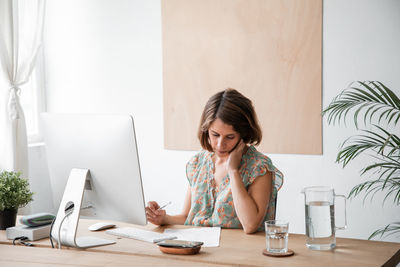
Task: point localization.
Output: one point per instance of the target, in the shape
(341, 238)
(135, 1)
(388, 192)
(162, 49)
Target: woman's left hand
(235, 157)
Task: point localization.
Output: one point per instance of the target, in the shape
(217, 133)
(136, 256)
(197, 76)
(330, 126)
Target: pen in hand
(160, 208)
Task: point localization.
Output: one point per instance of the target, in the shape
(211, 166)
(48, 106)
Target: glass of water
(277, 235)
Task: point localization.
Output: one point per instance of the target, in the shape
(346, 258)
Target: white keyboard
(139, 234)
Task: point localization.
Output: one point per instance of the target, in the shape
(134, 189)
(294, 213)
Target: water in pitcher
(320, 225)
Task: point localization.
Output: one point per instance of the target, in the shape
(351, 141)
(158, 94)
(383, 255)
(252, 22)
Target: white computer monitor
(98, 153)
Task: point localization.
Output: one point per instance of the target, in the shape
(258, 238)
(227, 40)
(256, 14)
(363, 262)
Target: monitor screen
(106, 146)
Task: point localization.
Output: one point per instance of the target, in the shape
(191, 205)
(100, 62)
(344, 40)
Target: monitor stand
(66, 223)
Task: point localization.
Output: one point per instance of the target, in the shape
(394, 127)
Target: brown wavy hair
(234, 109)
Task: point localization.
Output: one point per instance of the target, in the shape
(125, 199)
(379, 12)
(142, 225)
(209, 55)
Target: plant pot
(8, 218)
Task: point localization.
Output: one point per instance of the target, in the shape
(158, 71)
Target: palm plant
(374, 104)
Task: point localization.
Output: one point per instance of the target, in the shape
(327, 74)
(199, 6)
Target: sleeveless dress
(212, 205)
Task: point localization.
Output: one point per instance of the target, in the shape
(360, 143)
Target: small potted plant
(14, 194)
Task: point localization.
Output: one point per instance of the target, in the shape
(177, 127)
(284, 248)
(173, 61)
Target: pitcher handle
(345, 214)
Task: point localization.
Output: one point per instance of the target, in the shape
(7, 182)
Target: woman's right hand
(154, 215)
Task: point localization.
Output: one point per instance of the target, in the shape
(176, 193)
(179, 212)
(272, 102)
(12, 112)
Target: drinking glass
(277, 234)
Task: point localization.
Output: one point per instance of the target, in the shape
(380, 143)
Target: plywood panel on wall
(270, 50)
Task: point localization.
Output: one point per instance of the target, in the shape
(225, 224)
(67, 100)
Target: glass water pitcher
(320, 217)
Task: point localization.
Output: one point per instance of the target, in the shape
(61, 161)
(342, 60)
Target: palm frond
(370, 188)
(388, 179)
(381, 141)
(389, 229)
(385, 163)
(369, 98)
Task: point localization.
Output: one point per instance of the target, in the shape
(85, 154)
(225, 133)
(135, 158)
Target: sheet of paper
(208, 235)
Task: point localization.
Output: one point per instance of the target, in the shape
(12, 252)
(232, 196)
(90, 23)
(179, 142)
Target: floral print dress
(212, 205)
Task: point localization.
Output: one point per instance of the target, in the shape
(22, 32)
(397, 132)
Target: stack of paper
(208, 235)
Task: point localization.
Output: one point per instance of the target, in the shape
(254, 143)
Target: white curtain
(21, 27)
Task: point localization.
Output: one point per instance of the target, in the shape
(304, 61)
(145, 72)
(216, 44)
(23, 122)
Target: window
(32, 99)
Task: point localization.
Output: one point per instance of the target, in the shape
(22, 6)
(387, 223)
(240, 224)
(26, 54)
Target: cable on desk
(21, 240)
(51, 229)
(68, 211)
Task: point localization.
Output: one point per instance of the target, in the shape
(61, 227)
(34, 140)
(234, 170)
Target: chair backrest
(276, 205)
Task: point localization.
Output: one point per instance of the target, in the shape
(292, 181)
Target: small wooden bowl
(180, 251)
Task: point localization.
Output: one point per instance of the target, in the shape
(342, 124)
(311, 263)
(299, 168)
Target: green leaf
(367, 97)
(395, 99)
(389, 229)
(14, 191)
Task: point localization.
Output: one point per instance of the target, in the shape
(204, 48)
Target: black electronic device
(179, 243)
(37, 219)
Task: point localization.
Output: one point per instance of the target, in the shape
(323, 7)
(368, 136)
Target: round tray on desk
(180, 251)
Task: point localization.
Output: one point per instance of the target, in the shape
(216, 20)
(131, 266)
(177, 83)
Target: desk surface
(236, 248)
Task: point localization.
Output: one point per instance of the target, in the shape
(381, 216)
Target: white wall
(105, 57)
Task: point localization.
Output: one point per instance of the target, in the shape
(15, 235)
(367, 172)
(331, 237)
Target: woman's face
(223, 138)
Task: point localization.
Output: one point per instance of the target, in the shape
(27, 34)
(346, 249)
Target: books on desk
(139, 234)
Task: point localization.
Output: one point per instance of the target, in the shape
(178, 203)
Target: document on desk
(208, 235)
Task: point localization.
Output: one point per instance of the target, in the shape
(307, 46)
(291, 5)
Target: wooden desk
(236, 248)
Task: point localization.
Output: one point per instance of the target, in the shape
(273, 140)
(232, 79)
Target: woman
(231, 184)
